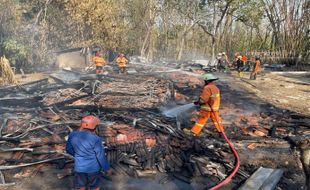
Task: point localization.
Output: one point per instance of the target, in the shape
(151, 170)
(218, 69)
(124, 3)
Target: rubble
(139, 140)
(144, 93)
(61, 95)
(142, 145)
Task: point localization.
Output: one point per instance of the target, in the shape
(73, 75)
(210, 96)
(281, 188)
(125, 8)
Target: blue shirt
(87, 149)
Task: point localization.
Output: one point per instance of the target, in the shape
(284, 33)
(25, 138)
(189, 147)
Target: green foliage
(16, 51)
(251, 12)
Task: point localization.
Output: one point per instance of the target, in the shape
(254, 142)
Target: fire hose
(233, 173)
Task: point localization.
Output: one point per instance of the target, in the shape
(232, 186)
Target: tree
(31, 30)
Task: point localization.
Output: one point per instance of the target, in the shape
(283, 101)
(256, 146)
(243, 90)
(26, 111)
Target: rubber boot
(189, 132)
(251, 77)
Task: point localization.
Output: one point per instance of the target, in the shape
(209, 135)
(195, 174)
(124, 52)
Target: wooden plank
(272, 181)
(263, 179)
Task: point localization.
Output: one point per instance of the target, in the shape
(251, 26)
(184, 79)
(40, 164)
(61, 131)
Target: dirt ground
(274, 94)
(287, 90)
(242, 98)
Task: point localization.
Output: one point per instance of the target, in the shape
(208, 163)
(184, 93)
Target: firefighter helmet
(209, 77)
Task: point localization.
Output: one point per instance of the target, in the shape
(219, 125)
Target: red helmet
(89, 122)
(98, 54)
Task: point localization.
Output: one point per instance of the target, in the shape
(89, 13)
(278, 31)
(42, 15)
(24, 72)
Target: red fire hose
(225, 181)
(236, 167)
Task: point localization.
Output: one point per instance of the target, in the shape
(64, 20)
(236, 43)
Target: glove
(197, 103)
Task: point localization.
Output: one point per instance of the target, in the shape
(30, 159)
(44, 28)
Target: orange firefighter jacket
(121, 61)
(99, 61)
(210, 97)
(244, 59)
(257, 66)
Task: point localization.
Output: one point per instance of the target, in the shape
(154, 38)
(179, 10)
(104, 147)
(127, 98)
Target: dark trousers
(122, 69)
(87, 180)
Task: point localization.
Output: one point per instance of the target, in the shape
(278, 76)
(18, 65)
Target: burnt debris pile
(140, 142)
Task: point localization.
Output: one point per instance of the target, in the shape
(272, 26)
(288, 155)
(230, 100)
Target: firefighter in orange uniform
(99, 62)
(209, 102)
(244, 58)
(122, 62)
(256, 68)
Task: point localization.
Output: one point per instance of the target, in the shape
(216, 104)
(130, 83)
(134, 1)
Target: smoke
(71, 59)
(194, 55)
(182, 113)
(177, 111)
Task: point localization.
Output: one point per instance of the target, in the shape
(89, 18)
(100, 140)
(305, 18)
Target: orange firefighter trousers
(203, 117)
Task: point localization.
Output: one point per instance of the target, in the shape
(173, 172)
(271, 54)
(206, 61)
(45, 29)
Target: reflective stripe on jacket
(211, 97)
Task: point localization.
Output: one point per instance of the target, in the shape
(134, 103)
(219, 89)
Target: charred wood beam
(37, 82)
(31, 101)
(63, 103)
(9, 139)
(17, 110)
(16, 149)
(25, 133)
(24, 87)
(5, 120)
(106, 109)
(17, 98)
(51, 87)
(29, 164)
(240, 171)
(145, 173)
(58, 80)
(131, 78)
(27, 87)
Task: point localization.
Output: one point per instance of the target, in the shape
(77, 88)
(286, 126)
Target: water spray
(174, 112)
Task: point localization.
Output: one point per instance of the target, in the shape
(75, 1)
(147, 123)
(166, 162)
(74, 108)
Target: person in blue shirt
(86, 148)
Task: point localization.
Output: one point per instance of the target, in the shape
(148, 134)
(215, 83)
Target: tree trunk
(213, 49)
(144, 45)
(180, 53)
(150, 55)
(213, 43)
